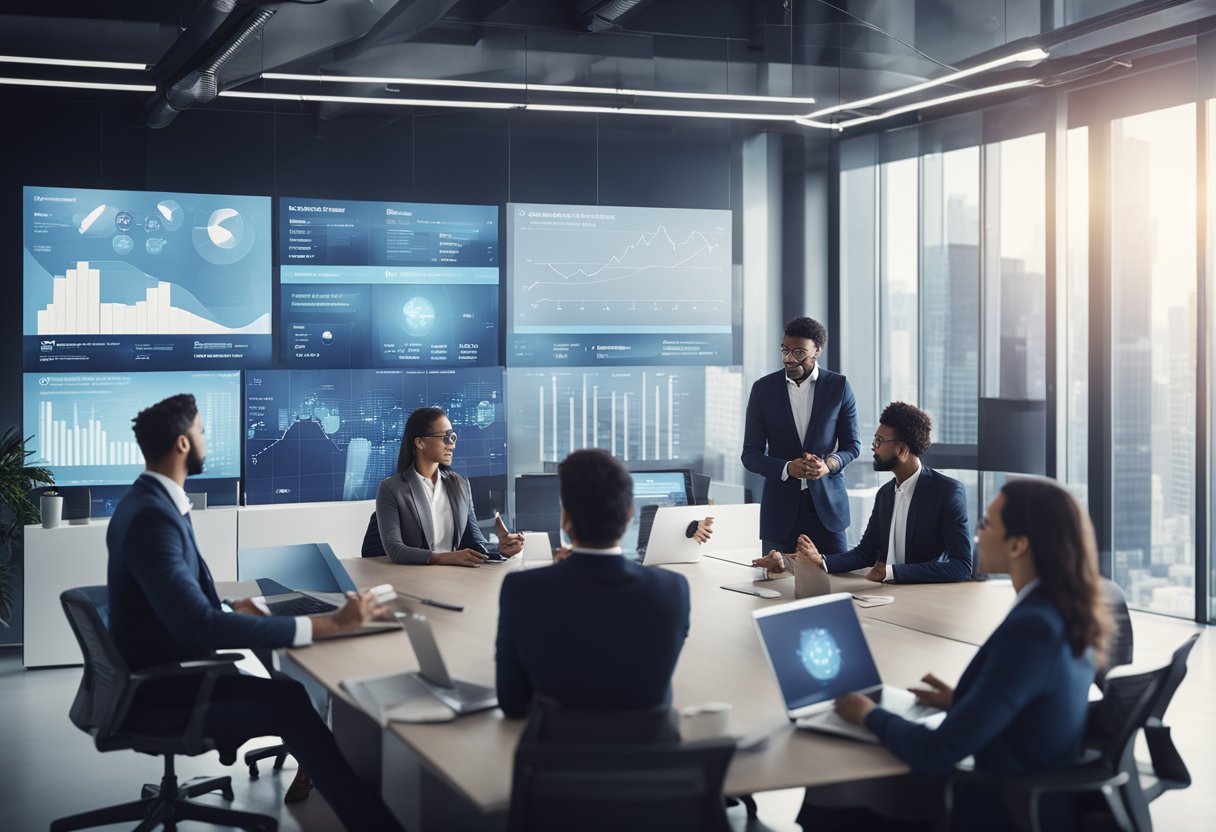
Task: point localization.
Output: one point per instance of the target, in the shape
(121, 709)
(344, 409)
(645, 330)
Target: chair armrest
(207, 670)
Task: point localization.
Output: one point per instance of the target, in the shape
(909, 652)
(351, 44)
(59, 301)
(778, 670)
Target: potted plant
(17, 480)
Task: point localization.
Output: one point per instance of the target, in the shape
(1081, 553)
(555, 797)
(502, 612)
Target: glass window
(949, 291)
(899, 283)
(1075, 314)
(1015, 296)
(1152, 233)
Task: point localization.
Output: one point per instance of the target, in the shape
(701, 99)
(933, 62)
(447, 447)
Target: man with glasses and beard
(918, 530)
(801, 432)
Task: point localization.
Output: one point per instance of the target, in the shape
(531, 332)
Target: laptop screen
(654, 488)
(816, 650)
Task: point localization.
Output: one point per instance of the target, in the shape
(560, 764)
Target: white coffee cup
(705, 721)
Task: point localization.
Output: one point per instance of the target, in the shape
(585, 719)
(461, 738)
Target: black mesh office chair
(605, 770)
(1120, 650)
(103, 709)
(1130, 703)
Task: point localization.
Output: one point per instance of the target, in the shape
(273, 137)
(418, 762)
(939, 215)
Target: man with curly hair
(918, 530)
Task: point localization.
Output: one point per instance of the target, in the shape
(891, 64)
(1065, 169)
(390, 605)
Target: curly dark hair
(158, 426)
(1061, 540)
(804, 327)
(597, 494)
(912, 426)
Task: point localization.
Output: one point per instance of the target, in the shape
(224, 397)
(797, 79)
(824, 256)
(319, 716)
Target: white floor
(49, 769)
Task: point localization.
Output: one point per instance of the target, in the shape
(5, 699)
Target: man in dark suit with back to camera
(918, 531)
(163, 607)
(593, 631)
(800, 433)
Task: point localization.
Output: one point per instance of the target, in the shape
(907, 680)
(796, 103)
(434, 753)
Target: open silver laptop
(816, 651)
(461, 697)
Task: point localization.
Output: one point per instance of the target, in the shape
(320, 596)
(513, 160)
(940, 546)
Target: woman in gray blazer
(425, 510)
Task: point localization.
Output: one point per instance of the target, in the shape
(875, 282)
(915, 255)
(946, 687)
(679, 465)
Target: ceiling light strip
(1019, 57)
(356, 99)
(521, 87)
(77, 85)
(945, 99)
(23, 59)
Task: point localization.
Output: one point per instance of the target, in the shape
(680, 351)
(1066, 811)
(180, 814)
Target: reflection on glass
(950, 292)
(1152, 234)
(1075, 313)
(1015, 297)
(899, 283)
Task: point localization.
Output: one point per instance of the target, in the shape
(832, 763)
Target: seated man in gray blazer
(425, 510)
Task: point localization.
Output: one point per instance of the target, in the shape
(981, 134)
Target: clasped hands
(808, 467)
(855, 708)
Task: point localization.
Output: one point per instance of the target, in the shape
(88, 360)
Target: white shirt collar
(176, 493)
(814, 377)
(910, 483)
(584, 550)
(1024, 591)
(428, 480)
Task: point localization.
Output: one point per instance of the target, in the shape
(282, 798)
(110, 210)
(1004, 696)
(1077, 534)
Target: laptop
(665, 539)
(461, 697)
(816, 651)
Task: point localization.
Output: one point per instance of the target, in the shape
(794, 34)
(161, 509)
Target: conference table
(457, 775)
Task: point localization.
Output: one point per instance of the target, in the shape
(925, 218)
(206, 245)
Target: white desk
(458, 775)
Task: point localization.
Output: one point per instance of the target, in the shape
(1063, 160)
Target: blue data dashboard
(81, 422)
(126, 280)
(387, 284)
(325, 435)
(603, 286)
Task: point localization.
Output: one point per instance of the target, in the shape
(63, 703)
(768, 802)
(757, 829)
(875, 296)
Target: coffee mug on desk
(705, 721)
(537, 551)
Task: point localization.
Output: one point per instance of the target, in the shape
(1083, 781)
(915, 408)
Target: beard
(881, 464)
(194, 462)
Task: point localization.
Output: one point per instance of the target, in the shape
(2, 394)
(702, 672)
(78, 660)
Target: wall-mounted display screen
(125, 280)
(600, 285)
(644, 416)
(386, 284)
(81, 422)
(324, 435)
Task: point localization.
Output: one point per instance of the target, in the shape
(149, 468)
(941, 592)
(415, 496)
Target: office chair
(1119, 651)
(1130, 703)
(593, 781)
(372, 547)
(102, 708)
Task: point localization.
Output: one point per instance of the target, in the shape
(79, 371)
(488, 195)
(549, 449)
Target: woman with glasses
(1021, 705)
(425, 510)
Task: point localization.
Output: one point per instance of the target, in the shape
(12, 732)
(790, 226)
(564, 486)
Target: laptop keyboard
(303, 605)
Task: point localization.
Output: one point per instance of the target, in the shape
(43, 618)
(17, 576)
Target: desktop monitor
(538, 505)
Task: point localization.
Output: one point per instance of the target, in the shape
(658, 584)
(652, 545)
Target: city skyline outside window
(1076, 314)
(1153, 280)
(949, 292)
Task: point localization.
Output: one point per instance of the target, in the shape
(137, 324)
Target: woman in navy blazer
(1020, 706)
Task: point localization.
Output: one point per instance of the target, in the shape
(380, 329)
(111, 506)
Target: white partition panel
(341, 525)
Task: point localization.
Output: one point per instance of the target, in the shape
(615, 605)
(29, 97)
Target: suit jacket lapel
(422, 507)
(460, 511)
(886, 507)
(919, 498)
(818, 407)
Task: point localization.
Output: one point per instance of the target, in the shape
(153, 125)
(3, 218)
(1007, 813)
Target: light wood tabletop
(722, 661)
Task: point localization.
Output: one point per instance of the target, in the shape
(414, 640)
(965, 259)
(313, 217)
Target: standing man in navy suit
(918, 530)
(164, 608)
(801, 432)
(593, 631)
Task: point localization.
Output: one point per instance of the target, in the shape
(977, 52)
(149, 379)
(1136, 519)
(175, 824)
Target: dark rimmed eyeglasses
(799, 354)
(448, 436)
(878, 441)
